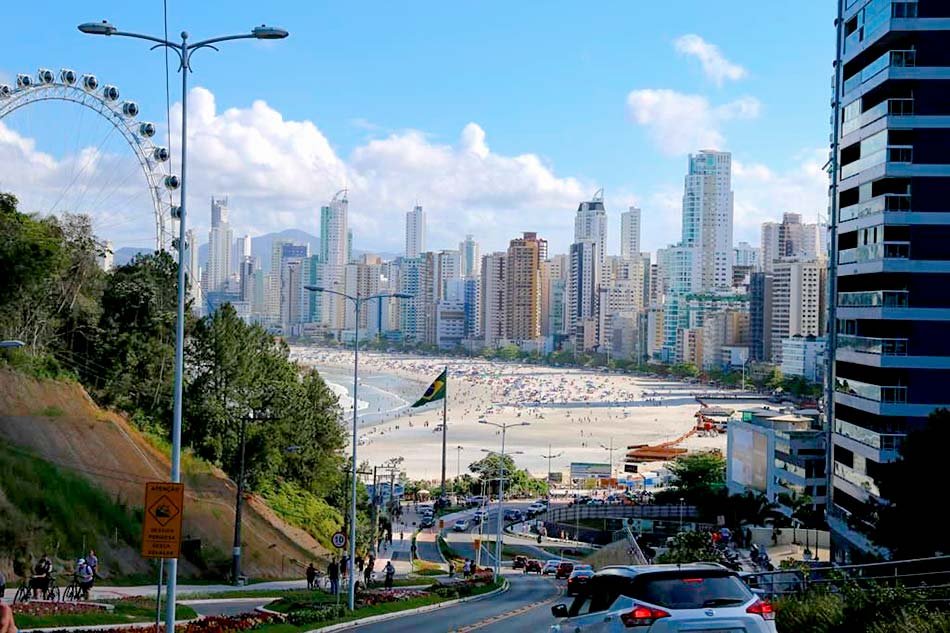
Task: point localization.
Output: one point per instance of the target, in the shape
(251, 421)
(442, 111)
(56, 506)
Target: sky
(498, 117)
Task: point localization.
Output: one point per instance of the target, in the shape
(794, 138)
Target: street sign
(339, 540)
(161, 527)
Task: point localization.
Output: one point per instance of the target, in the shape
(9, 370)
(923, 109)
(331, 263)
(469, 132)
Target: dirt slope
(60, 423)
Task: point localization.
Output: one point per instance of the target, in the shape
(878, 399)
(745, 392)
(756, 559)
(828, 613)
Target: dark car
(427, 522)
(564, 569)
(533, 566)
(578, 580)
(519, 562)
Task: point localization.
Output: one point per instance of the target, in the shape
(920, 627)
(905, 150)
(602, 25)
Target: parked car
(533, 566)
(550, 567)
(665, 599)
(564, 569)
(519, 562)
(577, 581)
(461, 525)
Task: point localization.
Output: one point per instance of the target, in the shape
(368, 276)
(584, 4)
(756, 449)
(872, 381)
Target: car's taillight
(642, 616)
(762, 608)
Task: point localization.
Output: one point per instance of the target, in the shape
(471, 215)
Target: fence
(574, 513)
(931, 576)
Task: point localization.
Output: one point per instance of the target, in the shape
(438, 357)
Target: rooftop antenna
(598, 195)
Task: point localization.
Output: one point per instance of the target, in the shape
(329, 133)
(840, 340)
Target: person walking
(333, 573)
(466, 568)
(93, 562)
(311, 576)
(390, 572)
(451, 568)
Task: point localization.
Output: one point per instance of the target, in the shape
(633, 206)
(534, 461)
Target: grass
(51, 411)
(47, 504)
(365, 612)
(294, 595)
(447, 550)
(126, 611)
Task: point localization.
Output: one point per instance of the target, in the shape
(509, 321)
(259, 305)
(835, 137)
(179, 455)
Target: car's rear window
(690, 592)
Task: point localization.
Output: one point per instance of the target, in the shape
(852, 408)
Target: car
(461, 525)
(533, 566)
(519, 562)
(537, 508)
(564, 569)
(427, 522)
(550, 567)
(515, 516)
(481, 515)
(665, 599)
(577, 581)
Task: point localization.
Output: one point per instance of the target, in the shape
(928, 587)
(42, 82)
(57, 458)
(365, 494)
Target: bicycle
(73, 591)
(24, 592)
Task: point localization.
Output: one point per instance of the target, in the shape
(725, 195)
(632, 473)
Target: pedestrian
(344, 567)
(7, 625)
(367, 575)
(311, 576)
(451, 568)
(390, 572)
(85, 577)
(93, 562)
(359, 563)
(333, 573)
(467, 568)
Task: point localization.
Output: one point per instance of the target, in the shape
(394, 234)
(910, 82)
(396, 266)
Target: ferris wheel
(88, 183)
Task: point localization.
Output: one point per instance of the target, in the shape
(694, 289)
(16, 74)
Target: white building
(448, 268)
(745, 254)
(334, 255)
(630, 233)
(797, 301)
(803, 356)
(450, 323)
(361, 280)
(584, 293)
(415, 232)
(590, 224)
(240, 249)
(471, 260)
(707, 216)
(219, 246)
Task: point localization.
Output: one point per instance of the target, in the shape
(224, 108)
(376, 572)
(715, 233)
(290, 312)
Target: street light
(184, 51)
(501, 486)
(358, 302)
(611, 449)
(458, 466)
(549, 457)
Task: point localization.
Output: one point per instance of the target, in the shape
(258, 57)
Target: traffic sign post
(339, 540)
(161, 527)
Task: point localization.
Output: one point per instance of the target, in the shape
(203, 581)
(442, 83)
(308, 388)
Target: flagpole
(445, 406)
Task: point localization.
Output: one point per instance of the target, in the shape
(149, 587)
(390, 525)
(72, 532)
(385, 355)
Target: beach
(571, 411)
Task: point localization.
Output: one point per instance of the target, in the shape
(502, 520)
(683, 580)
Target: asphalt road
(226, 607)
(526, 604)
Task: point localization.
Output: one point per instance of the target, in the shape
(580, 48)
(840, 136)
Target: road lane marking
(509, 614)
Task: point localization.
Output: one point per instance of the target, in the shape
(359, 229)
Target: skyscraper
(707, 216)
(448, 268)
(415, 231)
(240, 249)
(630, 234)
(584, 294)
(524, 287)
(590, 224)
(797, 293)
(219, 246)
(471, 261)
(334, 255)
(891, 309)
(494, 298)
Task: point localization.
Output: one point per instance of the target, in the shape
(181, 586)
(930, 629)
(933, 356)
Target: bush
(316, 615)
(815, 612)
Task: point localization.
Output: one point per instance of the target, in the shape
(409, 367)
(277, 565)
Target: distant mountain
(122, 256)
(260, 247)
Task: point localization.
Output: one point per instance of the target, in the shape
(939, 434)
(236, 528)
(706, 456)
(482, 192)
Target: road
(226, 607)
(525, 606)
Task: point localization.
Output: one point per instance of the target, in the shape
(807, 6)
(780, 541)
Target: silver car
(698, 598)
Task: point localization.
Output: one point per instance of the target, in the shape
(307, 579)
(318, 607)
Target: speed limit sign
(338, 540)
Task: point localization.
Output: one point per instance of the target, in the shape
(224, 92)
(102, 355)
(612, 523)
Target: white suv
(665, 599)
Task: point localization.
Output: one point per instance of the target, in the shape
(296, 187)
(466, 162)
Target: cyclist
(84, 576)
(42, 573)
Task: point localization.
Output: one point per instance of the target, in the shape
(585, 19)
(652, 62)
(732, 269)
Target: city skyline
(474, 167)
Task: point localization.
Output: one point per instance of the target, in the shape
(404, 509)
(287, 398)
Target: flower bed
(371, 598)
(43, 608)
(212, 624)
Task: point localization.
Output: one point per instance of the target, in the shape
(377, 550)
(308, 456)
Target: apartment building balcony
(889, 202)
(879, 447)
(860, 480)
(873, 345)
(875, 252)
(884, 394)
(900, 107)
(890, 155)
(890, 59)
(874, 299)
(900, 16)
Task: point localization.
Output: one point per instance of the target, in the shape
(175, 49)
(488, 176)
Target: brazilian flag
(436, 391)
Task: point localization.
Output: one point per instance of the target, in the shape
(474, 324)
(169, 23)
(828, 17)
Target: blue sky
(593, 95)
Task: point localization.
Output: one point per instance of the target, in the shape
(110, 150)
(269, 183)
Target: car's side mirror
(559, 610)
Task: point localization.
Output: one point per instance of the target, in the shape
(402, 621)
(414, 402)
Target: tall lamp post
(184, 51)
(549, 457)
(458, 466)
(358, 301)
(611, 450)
(501, 488)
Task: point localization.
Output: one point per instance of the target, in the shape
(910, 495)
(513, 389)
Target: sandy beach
(571, 411)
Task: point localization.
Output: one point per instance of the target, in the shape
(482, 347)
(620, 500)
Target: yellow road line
(509, 614)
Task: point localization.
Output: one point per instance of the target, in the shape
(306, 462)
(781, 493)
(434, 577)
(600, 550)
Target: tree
(908, 525)
(691, 547)
(698, 475)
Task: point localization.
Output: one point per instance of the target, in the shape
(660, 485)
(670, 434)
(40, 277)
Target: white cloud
(279, 172)
(679, 123)
(715, 66)
(762, 194)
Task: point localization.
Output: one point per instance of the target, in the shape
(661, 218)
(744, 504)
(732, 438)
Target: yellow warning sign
(161, 528)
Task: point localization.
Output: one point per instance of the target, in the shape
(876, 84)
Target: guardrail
(923, 574)
(573, 513)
